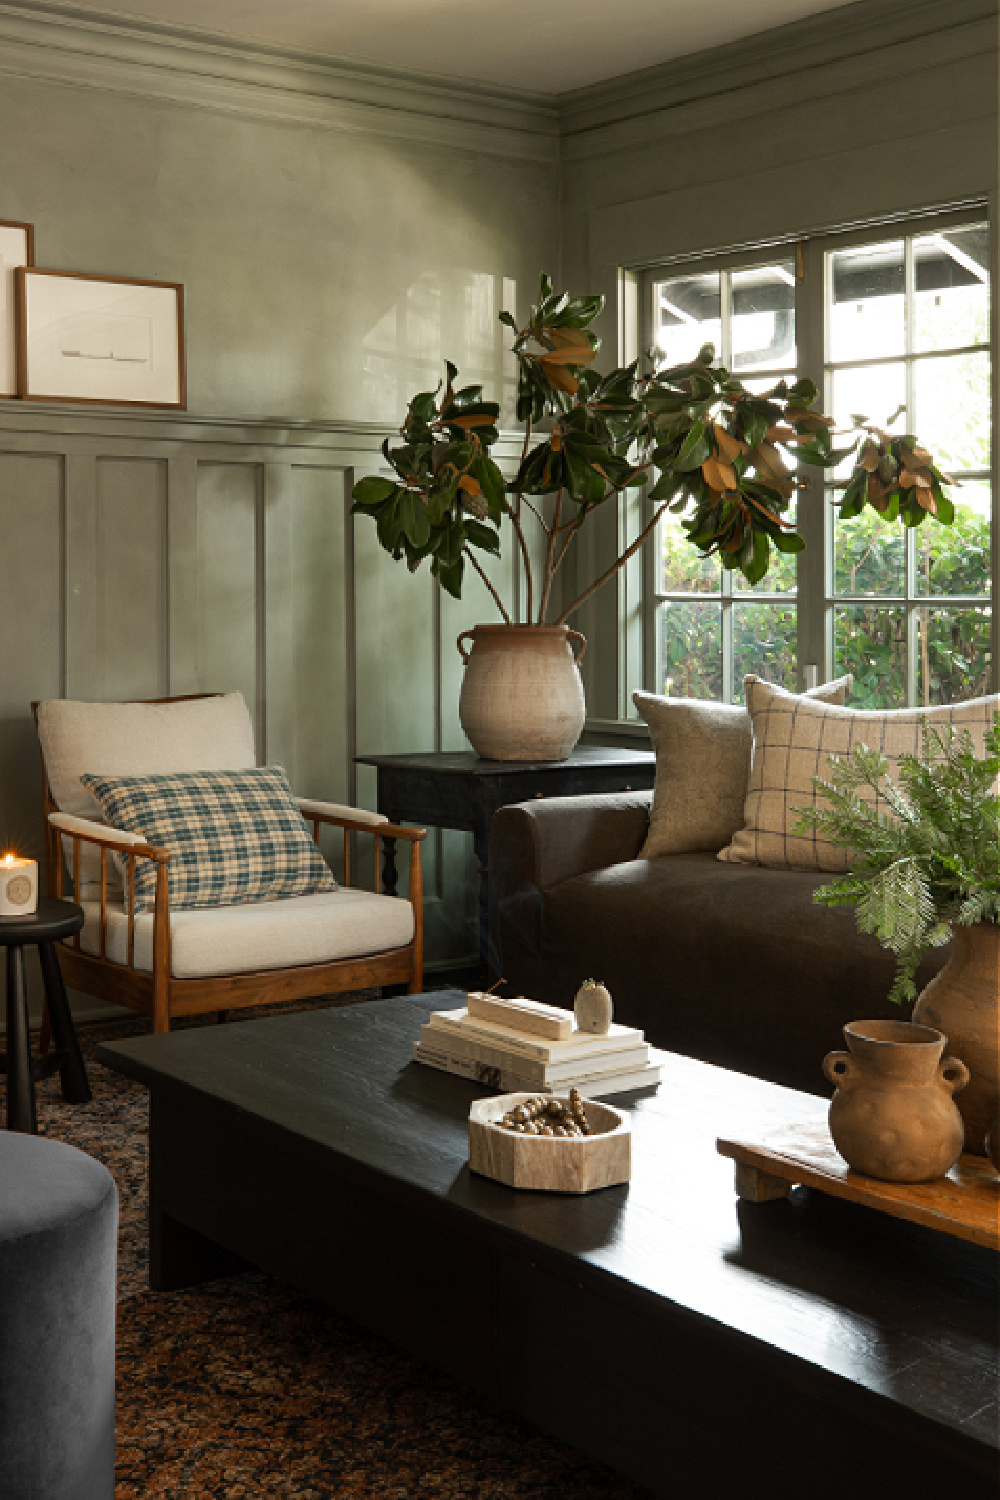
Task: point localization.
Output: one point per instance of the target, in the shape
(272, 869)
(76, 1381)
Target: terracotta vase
(963, 1001)
(522, 694)
(893, 1116)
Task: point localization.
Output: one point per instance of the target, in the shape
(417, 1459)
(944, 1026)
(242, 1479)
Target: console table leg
(72, 1072)
(755, 1186)
(389, 876)
(21, 1113)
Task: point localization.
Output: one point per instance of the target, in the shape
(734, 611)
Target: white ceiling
(543, 46)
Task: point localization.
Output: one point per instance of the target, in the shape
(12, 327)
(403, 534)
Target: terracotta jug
(963, 1001)
(522, 695)
(893, 1115)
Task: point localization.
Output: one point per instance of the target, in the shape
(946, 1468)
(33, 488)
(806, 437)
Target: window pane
(684, 569)
(764, 642)
(953, 655)
(956, 559)
(869, 555)
(952, 416)
(692, 650)
(875, 392)
(870, 643)
(952, 305)
(687, 313)
(763, 324)
(867, 319)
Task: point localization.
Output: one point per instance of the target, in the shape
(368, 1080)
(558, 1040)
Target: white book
(601, 1086)
(460, 1023)
(499, 1055)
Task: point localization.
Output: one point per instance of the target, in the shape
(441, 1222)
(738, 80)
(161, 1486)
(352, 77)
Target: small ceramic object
(535, 1156)
(592, 1007)
(893, 1116)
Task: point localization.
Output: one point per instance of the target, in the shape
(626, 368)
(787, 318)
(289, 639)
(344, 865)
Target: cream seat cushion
(207, 941)
(702, 768)
(793, 739)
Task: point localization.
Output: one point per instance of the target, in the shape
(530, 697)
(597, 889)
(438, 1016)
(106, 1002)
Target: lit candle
(18, 886)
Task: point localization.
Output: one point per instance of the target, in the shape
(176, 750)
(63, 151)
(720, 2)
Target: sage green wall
(336, 238)
(865, 111)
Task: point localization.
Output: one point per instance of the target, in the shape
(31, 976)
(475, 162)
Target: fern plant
(930, 861)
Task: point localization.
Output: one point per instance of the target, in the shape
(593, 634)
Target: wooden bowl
(550, 1163)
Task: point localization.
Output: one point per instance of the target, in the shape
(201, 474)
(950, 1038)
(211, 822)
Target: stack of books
(521, 1046)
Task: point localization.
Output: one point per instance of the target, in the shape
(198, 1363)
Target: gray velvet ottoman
(58, 1241)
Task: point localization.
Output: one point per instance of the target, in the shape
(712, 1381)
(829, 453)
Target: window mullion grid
(910, 541)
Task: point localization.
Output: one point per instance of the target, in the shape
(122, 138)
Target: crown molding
(63, 44)
(825, 53)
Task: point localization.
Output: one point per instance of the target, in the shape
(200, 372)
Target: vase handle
(838, 1066)
(953, 1074)
(464, 655)
(574, 635)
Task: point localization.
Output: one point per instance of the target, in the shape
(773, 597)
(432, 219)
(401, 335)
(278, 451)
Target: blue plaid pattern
(236, 837)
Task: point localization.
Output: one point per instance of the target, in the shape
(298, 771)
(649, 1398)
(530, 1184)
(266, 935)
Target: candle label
(18, 890)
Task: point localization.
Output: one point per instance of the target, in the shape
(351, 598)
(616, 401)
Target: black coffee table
(806, 1347)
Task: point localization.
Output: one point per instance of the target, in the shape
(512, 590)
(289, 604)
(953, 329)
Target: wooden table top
(894, 1308)
(468, 763)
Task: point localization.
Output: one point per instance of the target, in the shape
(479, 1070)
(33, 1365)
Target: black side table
(459, 790)
(53, 920)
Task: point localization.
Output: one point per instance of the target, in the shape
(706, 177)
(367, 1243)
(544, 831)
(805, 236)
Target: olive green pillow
(703, 754)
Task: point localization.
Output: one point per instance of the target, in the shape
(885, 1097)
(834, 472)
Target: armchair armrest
(99, 833)
(338, 814)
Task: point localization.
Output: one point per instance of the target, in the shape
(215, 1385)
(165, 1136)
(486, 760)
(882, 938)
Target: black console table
(459, 790)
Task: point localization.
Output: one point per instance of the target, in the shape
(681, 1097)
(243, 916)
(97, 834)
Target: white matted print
(100, 338)
(16, 249)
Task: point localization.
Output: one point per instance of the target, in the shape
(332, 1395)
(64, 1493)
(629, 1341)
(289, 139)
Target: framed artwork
(17, 248)
(112, 339)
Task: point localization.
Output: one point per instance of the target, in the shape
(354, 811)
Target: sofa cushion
(731, 964)
(205, 942)
(703, 752)
(235, 836)
(793, 740)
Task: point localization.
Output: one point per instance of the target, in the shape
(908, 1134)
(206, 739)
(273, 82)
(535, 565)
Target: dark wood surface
(41, 928)
(458, 789)
(310, 1145)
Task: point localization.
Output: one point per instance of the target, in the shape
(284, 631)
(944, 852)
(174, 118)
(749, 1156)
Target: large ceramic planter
(522, 695)
(963, 1001)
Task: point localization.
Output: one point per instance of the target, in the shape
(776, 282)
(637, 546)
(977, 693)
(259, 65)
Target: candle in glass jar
(18, 886)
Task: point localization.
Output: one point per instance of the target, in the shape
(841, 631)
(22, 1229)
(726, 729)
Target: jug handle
(953, 1073)
(838, 1066)
(464, 654)
(574, 635)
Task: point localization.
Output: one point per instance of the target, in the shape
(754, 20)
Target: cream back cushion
(139, 739)
(136, 739)
(702, 769)
(793, 739)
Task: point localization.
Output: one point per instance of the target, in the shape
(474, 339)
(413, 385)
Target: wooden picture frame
(17, 248)
(107, 340)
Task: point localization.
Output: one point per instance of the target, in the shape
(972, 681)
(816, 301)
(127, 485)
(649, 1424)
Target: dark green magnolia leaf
(483, 537)
(373, 490)
(585, 485)
(945, 509)
(452, 371)
(755, 556)
(413, 519)
(694, 450)
(449, 576)
(666, 487)
(788, 541)
(508, 320)
(388, 524)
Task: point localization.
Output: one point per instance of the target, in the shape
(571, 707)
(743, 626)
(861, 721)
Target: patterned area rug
(245, 1388)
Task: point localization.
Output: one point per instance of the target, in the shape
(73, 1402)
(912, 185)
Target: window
(880, 322)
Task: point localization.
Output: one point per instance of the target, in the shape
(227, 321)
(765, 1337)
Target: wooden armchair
(186, 962)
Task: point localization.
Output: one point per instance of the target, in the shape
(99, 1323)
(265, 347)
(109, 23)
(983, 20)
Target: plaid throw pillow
(793, 739)
(236, 836)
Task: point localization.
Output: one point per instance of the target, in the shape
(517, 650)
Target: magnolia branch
(618, 563)
(499, 602)
(551, 532)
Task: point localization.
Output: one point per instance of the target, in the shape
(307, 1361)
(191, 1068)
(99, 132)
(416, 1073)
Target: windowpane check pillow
(702, 768)
(793, 739)
(236, 837)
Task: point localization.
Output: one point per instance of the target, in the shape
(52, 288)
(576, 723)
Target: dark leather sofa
(733, 964)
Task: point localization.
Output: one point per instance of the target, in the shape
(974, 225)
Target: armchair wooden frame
(158, 993)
